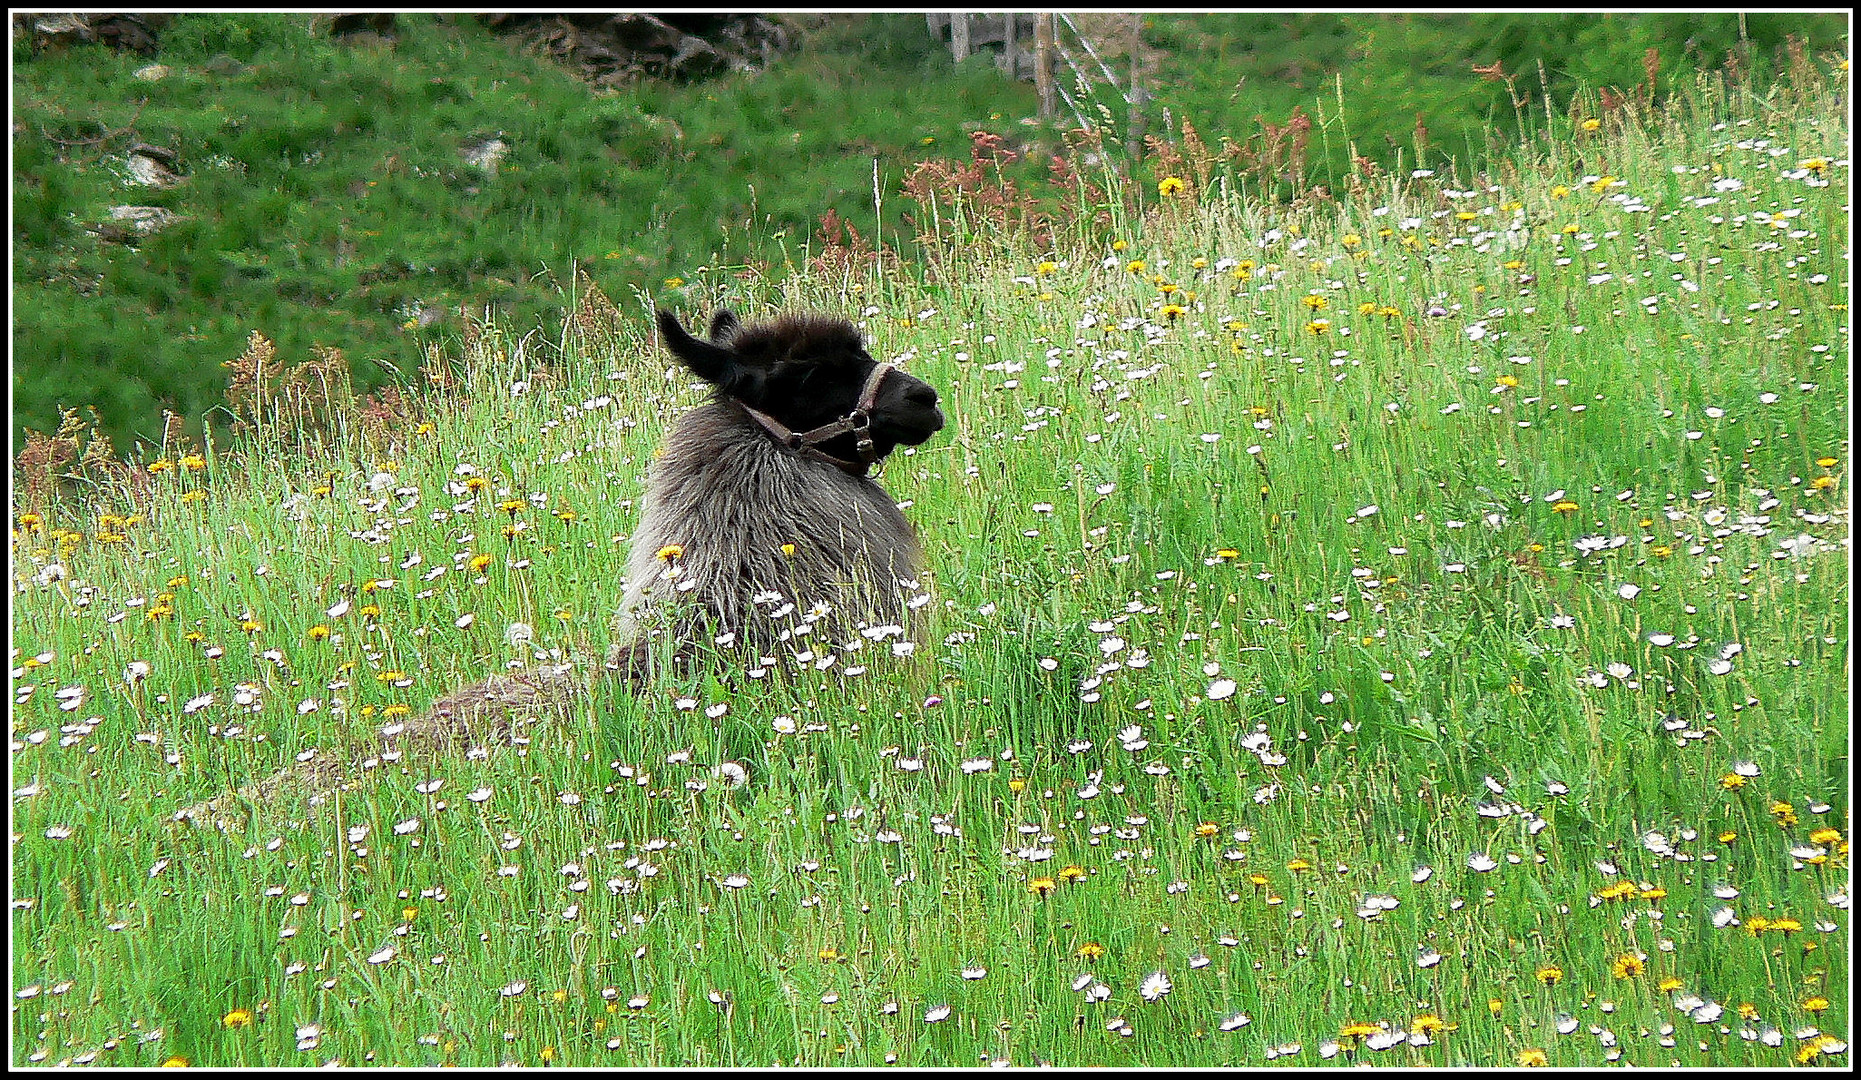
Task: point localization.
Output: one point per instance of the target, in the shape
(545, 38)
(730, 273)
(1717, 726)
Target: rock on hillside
(611, 50)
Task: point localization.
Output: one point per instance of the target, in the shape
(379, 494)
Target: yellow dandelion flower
(1822, 483)
(1315, 301)
(1564, 506)
(1135, 266)
(1815, 1004)
(161, 466)
(1729, 835)
(175, 1062)
(1550, 974)
(478, 563)
(669, 552)
(1041, 886)
(1825, 835)
(1206, 829)
(1357, 1030)
(476, 483)
(1072, 873)
(193, 462)
(1298, 865)
(1430, 1024)
(1592, 124)
(1173, 311)
(1601, 184)
(1170, 185)
(1495, 1006)
(828, 954)
(1318, 326)
(1017, 785)
(1091, 950)
(1627, 966)
(186, 497)
(237, 1018)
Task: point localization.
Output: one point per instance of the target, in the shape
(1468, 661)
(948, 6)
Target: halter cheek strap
(858, 422)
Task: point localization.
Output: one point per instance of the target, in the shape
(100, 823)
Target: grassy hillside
(1406, 627)
(327, 200)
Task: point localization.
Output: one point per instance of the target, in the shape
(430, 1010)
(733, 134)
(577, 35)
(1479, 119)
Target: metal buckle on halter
(860, 425)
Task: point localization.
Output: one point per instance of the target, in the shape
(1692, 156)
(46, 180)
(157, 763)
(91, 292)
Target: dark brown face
(807, 371)
(906, 411)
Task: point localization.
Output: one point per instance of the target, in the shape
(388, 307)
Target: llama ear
(712, 363)
(723, 324)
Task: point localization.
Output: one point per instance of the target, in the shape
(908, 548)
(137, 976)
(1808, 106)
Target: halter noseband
(859, 422)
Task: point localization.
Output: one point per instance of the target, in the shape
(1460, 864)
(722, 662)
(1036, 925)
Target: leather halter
(859, 422)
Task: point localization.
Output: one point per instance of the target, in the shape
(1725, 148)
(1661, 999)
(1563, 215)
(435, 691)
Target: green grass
(1365, 594)
(327, 202)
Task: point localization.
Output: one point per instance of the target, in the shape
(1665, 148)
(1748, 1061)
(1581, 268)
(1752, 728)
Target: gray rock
(143, 220)
(151, 166)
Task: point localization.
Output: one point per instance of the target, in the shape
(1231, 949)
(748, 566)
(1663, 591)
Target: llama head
(806, 371)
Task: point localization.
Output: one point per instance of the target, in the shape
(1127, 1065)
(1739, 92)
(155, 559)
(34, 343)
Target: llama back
(731, 500)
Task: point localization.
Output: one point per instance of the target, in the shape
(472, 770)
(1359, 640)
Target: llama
(763, 492)
(759, 507)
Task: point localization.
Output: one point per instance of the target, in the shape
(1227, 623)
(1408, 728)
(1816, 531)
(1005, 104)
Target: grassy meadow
(1404, 627)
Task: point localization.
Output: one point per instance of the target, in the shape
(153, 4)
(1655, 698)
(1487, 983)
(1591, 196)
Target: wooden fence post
(959, 36)
(1137, 97)
(1043, 62)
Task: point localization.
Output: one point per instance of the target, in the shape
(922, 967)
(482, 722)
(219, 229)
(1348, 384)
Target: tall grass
(1404, 627)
